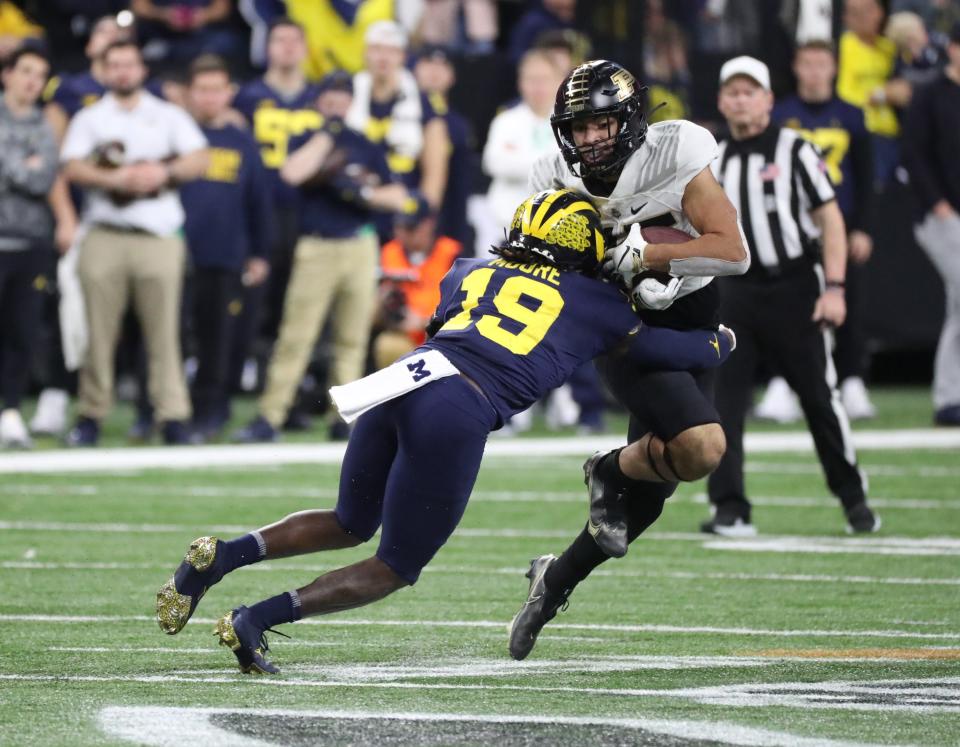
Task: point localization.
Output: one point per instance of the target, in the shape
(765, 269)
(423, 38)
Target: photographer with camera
(411, 268)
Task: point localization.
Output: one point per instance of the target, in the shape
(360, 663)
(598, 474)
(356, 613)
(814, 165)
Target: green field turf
(801, 633)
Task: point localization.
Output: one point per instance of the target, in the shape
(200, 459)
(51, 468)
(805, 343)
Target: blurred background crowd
(201, 199)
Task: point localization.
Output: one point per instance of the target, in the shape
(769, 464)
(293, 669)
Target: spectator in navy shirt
(228, 229)
(543, 15)
(343, 180)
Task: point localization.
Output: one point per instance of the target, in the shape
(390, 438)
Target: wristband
(835, 284)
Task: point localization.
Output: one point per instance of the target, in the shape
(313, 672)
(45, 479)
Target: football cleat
(607, 524)
(200, 569)
(539, 608)
(861, 520)
(728, 522)
(247, 640)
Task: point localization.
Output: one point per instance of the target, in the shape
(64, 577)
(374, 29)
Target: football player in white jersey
(638, 176)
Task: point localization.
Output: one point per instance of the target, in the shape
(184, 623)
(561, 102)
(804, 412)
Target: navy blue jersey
(275, 119)
(335, 209)
(228, 211)
(838, 130)
(519, 330)
(77, 91)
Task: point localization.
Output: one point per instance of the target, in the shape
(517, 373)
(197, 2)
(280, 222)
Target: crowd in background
(262, 196)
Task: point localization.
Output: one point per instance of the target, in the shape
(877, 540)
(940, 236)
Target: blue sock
(244, 550)
(283, 608)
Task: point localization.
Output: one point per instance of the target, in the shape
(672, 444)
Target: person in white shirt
(520, 135)
(128, 152)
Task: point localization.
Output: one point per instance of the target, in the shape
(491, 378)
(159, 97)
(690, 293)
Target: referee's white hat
(745, 65)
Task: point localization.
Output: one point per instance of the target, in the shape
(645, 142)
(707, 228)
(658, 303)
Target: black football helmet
(595, 89)
(559, 227)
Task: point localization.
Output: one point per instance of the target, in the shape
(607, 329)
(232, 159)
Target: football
(664, 235)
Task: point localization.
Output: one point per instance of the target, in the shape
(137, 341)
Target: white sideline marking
(932, 546)
(253, 455)
(484, 496)
(172, 727)
(274, 567)
(502, 624)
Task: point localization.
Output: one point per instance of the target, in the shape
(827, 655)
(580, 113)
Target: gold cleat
(241, 635)
(179, 597)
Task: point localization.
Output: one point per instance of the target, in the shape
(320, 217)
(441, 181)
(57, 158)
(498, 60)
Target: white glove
(626, 258)
(652, 294)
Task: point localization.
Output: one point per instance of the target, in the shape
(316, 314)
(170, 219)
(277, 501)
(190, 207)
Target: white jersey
(651, 184)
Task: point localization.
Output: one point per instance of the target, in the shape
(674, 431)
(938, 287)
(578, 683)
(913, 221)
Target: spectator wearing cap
(28, 164)
(391, 111)
(343, 180)
(411, 268)
(130, 151)
(519, 135)
(932, 158)
(228, 232)
(436, 75)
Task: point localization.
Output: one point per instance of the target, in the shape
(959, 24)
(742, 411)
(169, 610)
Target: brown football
(662, 235)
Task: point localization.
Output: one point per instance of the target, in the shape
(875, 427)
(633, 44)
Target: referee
(784, 308)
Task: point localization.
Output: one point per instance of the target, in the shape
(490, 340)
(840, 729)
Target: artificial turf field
(800, 636)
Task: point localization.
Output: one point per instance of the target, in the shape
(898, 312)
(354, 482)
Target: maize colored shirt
(863, 68)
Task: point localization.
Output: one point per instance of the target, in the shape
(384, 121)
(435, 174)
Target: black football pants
(772, 320)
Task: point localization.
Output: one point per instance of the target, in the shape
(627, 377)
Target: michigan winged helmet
(559, 227)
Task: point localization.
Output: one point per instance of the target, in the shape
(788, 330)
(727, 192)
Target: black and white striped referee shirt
(774, 180)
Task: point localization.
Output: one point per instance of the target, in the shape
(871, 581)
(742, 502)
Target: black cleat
(200, 569)
(861, 520)
(539, 608)
(729, 521)
(247, 640)
(607, 524)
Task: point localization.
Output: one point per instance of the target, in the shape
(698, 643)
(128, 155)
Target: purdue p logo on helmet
(600, 88)
(558, 227)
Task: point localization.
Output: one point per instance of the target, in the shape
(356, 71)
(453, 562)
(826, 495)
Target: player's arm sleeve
(259, 204)
(676, 350)
(543, 175)
(814, 180)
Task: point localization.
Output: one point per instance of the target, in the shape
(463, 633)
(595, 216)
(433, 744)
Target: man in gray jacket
(28, 167)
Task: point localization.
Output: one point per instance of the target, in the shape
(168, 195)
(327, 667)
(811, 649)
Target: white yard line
(288, 568)
(502, 625)
(205, 457)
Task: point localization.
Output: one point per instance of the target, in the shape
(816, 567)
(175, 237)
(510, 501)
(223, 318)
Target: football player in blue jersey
(507, 330)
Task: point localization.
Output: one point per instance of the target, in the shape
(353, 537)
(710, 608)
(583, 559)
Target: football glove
(650, 293)
(625, 260)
